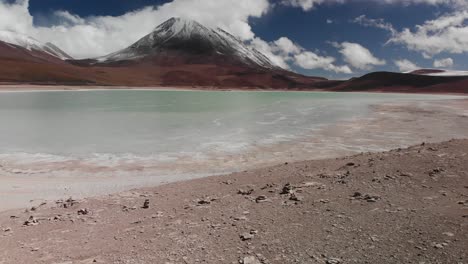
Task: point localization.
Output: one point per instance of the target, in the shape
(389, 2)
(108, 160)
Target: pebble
(146, 204)
(245, 192)
(246, 236)
(84, 211)
(250, 260)
(333, 261)
(261, 198)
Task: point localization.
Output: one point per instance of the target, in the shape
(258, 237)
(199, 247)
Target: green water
(165, 124)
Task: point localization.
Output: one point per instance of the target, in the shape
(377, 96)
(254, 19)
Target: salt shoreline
(385, 117)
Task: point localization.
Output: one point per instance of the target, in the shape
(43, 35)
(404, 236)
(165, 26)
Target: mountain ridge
(29, 43)
(178, 36)
(184, 53)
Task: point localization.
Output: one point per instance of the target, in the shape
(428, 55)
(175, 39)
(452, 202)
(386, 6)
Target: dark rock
(287, 189)
(146, 204)
(245, 192)
(246, 236)
(84, 211)
(261, 198)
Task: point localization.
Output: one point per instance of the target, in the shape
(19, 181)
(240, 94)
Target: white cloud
(377, 23)
(443, 63)
(96, 36)
(284, 52)
(285, 45)
(271, 51)
(310, 60)
(405, 65)
(358, 56)
(308, 5)
(448, 33)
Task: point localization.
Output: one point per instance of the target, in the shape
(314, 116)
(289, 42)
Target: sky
(337, 39)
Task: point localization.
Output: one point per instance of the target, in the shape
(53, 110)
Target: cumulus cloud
(95, 36)
(307, 5)
(405, 65)
(358, 56)
(284, 52)
(448, 33)
(443, 63)
(310, 60)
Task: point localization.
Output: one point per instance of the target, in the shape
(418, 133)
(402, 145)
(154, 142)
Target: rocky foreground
(402, 206)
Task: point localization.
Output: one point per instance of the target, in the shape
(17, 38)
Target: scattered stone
(350, 164)
(268, 186)
(287, 189)
(261, 199)
(449, 234)
(32, 221)
(250, 260)
(295, 197)
(246, 236)
(245, 192)
(206, 201)
(84, 211)
(126, 208)
(8, 229)
(367, 197)
(240, 218)
(371, 198)
(406, 174)
(333, 261)
(146, 204)
(440, 245)
(67, 203)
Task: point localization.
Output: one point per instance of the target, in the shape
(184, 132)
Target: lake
(66, 139)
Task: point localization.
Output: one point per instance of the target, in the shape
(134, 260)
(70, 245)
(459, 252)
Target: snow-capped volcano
(188, 37)
(32, 44)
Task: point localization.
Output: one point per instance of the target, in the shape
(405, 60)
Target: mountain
(182, 52)
(439, 72)
(404, 82)
(185, 53)
(189, 41)
(31, 44)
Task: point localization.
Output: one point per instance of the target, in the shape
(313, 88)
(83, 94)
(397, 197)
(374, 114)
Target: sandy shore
(5, 87)
(402, 206)
(389, 126)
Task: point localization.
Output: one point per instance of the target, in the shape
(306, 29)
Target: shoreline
(52, 88)
(403, 205)
(70, 178)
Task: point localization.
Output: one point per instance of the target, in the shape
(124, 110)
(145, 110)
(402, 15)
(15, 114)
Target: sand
(403, 206)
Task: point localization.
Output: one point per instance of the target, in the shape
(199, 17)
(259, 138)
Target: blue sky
(318, 37)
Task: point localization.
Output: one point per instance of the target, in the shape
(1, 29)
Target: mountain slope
(182, 38)
(439, 72)
(31, 44)
(404, 82)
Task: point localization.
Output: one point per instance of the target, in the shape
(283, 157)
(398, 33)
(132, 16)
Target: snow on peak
(31, 44)
(189, 35)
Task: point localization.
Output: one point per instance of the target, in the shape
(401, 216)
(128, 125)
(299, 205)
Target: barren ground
(402, 206)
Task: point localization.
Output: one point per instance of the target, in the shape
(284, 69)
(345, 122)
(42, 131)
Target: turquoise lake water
(165, 124)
